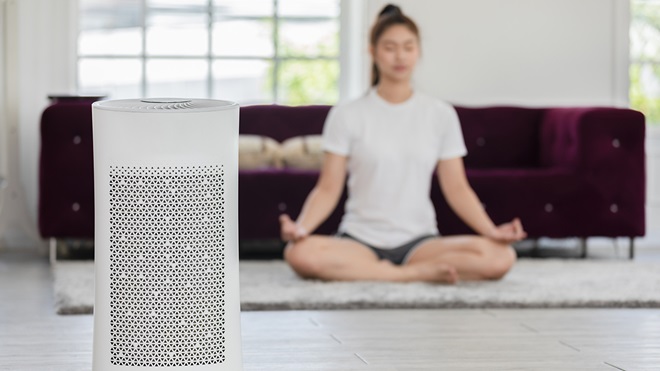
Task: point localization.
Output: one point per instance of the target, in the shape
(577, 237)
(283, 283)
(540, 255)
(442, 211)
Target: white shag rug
(532, 283)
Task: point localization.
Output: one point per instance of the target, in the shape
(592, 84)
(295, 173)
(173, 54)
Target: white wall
(523, 52)
(353, 53)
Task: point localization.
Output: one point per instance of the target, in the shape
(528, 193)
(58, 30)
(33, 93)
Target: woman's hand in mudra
(290, 231)
(508, 232)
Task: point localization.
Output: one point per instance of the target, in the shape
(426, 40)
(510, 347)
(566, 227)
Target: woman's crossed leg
(441, 259)
(344, 259)
(473, 257)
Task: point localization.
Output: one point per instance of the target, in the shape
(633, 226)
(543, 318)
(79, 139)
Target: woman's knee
(302, 256)
(502, 259)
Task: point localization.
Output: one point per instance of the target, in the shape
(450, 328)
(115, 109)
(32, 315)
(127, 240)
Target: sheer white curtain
(5, 90)
(39, 55)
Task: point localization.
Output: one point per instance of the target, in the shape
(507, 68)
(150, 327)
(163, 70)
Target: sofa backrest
(501, 137)
(495, 137)
(282, 122)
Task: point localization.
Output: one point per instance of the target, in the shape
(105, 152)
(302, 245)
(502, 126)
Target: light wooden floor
(33, 338)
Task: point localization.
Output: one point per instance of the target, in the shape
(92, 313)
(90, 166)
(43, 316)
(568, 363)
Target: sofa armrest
(604, 147)
(66, 171)
(594, 140)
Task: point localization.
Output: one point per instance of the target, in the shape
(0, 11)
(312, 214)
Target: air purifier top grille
(165, 105)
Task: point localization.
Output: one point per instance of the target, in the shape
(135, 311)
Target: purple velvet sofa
(566, 172)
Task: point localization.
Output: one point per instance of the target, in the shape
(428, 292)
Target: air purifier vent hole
(167, 289)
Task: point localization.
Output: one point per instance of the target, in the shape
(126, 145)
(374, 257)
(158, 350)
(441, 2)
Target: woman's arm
(466, 204)
(321, 201)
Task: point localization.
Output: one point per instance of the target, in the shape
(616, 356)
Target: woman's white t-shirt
(392, 151)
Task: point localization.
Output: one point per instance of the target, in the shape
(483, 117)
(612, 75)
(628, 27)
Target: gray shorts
(398, 255)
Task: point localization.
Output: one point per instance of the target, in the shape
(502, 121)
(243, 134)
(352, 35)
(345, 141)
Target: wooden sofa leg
(632, 248)
(583, 247)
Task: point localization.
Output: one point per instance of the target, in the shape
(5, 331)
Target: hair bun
(390, 10)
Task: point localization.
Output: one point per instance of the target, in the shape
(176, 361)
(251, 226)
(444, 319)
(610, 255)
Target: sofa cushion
(257, 152)
(304, 152)
(549, 202)
(287, 190)
(501, 137)
(283, 122)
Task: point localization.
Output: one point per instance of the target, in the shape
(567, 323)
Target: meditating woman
(388, 143)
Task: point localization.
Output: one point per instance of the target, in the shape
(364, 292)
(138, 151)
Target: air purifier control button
(165, 100)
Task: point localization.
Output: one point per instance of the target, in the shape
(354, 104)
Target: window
(645, 59)
(249, 51)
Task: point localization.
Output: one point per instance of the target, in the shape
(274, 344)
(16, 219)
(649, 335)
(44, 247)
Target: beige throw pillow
(304, 152)
(256, 152)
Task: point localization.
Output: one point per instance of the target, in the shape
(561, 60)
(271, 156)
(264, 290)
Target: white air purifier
(166, 235)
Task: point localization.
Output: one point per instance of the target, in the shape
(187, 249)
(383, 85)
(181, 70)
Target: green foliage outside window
(307, 81)
(645, 59)
(640, 101)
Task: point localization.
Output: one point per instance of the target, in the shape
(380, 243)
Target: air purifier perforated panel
(167, 282)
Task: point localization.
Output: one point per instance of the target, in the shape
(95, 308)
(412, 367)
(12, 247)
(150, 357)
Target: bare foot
(432, 271)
